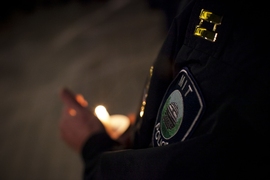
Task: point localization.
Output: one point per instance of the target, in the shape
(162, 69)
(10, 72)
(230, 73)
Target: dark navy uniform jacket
(207, 109)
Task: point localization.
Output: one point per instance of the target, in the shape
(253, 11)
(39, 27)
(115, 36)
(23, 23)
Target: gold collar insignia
(209, 17)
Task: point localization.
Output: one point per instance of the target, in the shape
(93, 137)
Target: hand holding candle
(77, 123)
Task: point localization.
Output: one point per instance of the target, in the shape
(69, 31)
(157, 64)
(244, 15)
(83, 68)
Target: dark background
(101, 49)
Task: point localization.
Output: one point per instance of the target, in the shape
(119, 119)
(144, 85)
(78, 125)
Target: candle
(115, 125)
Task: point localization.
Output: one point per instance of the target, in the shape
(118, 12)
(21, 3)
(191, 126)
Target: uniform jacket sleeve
(231, 138)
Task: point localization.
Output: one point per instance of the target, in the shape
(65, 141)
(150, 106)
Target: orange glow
(72, 112)
(132, 118)
(80, 99)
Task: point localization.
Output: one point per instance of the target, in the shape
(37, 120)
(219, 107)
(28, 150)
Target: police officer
(207, 106)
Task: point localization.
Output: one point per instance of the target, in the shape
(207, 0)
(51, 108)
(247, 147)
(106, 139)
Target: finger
(68, 113)
(69, 99)
(80, 99)
(72, 112)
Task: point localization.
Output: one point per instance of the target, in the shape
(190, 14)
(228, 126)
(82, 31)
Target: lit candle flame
(102, 113)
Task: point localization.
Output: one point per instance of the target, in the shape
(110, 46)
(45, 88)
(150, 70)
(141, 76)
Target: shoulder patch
(180, 110)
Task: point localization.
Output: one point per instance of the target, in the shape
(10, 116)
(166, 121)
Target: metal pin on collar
(209, 17)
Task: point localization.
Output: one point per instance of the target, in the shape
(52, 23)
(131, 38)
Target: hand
(126, 139)
(77, 123)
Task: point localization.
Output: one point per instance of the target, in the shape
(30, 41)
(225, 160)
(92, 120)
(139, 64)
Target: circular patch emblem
(172, 115)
